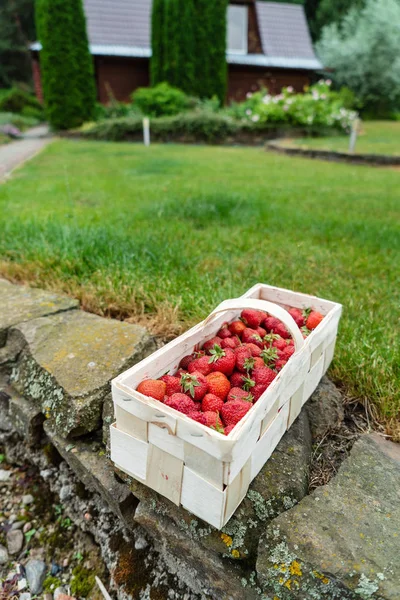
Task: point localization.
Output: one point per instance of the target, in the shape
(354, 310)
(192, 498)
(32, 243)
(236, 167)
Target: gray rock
(27, 499)
(20, 303)
(25, 596)
(343, 540)
(35, 573)
(26, 418)
(4, 475)
(66, 492)
(325, 409)
(17, 525)
(3, 555)
(15, 541)
(27, 527)
(68, 361)
(59, 591)
(108, 418)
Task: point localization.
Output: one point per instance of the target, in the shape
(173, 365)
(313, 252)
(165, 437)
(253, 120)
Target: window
(237, 29)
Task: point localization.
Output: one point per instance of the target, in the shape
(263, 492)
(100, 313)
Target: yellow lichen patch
(276, 598)
(295, 569)
(235, 553)
(226, 539)
(288, 584)
(322, 577)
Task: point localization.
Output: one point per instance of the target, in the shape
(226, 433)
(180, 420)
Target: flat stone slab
(20, 303)
(343, 541)
(68, 360)
(325, 409)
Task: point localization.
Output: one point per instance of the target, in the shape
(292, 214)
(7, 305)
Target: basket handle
(266, 306)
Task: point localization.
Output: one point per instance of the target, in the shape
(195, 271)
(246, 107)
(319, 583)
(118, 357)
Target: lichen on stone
(366, 588)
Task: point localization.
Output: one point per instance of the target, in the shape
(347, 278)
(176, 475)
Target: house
(268, 45)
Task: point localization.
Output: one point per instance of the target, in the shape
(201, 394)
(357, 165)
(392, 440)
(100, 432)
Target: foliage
(363, 54)
(66, 64)
(22, 122)
(17, 29)
(163, 99)
(188, 46)
(190, 226)
(318, 105)
(16, 100)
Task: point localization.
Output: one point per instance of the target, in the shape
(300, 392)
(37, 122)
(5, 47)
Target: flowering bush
(318, 105)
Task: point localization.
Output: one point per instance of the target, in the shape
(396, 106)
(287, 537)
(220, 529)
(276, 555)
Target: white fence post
(353, 135)
(146, 131)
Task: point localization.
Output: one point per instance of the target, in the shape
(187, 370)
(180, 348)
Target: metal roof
(122, 28)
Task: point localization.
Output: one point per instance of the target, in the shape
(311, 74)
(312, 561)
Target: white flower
(248, 112)
(315, 95)
(290, 89)
(255, 118)
(328, 82)
(266, 99)
(249, 95)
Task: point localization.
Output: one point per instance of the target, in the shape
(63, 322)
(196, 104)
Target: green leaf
(29, 535)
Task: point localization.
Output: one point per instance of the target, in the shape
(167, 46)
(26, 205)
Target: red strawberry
(282, 331)
(297, 315)
(231, 342)
(180, 372)
(232, 412)
(254, 349)
(286, 353)
(263, 375)
(237, 379)
(237, 327)
(258, 362)
(173, 384)
(212, 403)
(207, 346)
(229, 429)
(314, 319)
(198, 416)
(242, 354)
(218, 384)
(213, 420)
(153, 388)
(249, 336)
(280, 364)
(195, 385)
(261, 331)
(222, 360)
(224, 332)
(189, 358)
(201, 364)
(258, 391)
(181, 402)
(237, 393)
(270, 323)
(279, 344)
(252, 318)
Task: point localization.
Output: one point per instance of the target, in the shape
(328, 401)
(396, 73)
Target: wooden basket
(192, 465)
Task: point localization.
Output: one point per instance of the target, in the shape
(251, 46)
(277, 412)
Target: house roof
(122, 28)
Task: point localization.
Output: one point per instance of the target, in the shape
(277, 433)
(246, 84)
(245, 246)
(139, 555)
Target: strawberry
(254, 349)
(222, 360)
(314, 319)
(280, 364)
(195, 385)
(237, 379)
(279, 344)
(224, 332)
(258, 391)
(188, 359)
(251, 317)
(269, 356)
(198, 416)
(201, 364)
(213, 420)
(173, 384)
(212, 403)
(181, 402)
(234, 410)
(153, 388)
(270, 323)
(263, 375)
(249, 336)
(180, 372)
(231, 342)
(237, 327)
(258, 362)
(248, 383)
(238, 393)
(242, 354)
(229, 429)
(218, 384)
(207, 346)
(261, 332)
(297, 315)
(286, 353)
(282, 331)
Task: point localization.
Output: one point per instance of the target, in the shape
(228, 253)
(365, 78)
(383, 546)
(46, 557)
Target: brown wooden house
(268, 45)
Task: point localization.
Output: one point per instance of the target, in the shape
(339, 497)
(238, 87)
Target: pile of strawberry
(218, 384)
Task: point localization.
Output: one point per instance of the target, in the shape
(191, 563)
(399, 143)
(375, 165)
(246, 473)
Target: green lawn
(376, 137)
(127, 228)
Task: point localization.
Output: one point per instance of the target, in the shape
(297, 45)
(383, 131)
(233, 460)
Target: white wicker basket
(192, 465)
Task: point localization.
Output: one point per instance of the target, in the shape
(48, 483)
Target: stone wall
(56, 363)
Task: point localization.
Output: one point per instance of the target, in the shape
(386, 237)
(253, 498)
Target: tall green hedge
(66, 64)
(189, 45)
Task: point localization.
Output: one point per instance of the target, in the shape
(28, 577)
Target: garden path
(15, 154)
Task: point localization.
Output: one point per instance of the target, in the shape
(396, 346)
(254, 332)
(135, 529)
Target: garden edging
(39, 381)
(331, 155)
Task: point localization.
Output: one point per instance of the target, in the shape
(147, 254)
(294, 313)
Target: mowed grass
(170, 231)
(375, 137)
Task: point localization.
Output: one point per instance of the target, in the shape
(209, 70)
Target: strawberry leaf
(216, 353)
(248, 383)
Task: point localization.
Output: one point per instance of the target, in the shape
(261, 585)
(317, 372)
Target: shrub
(66, 64)
(363, 53)
(15, 100)
(21, 122)
(162, 99)
(317, 106)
